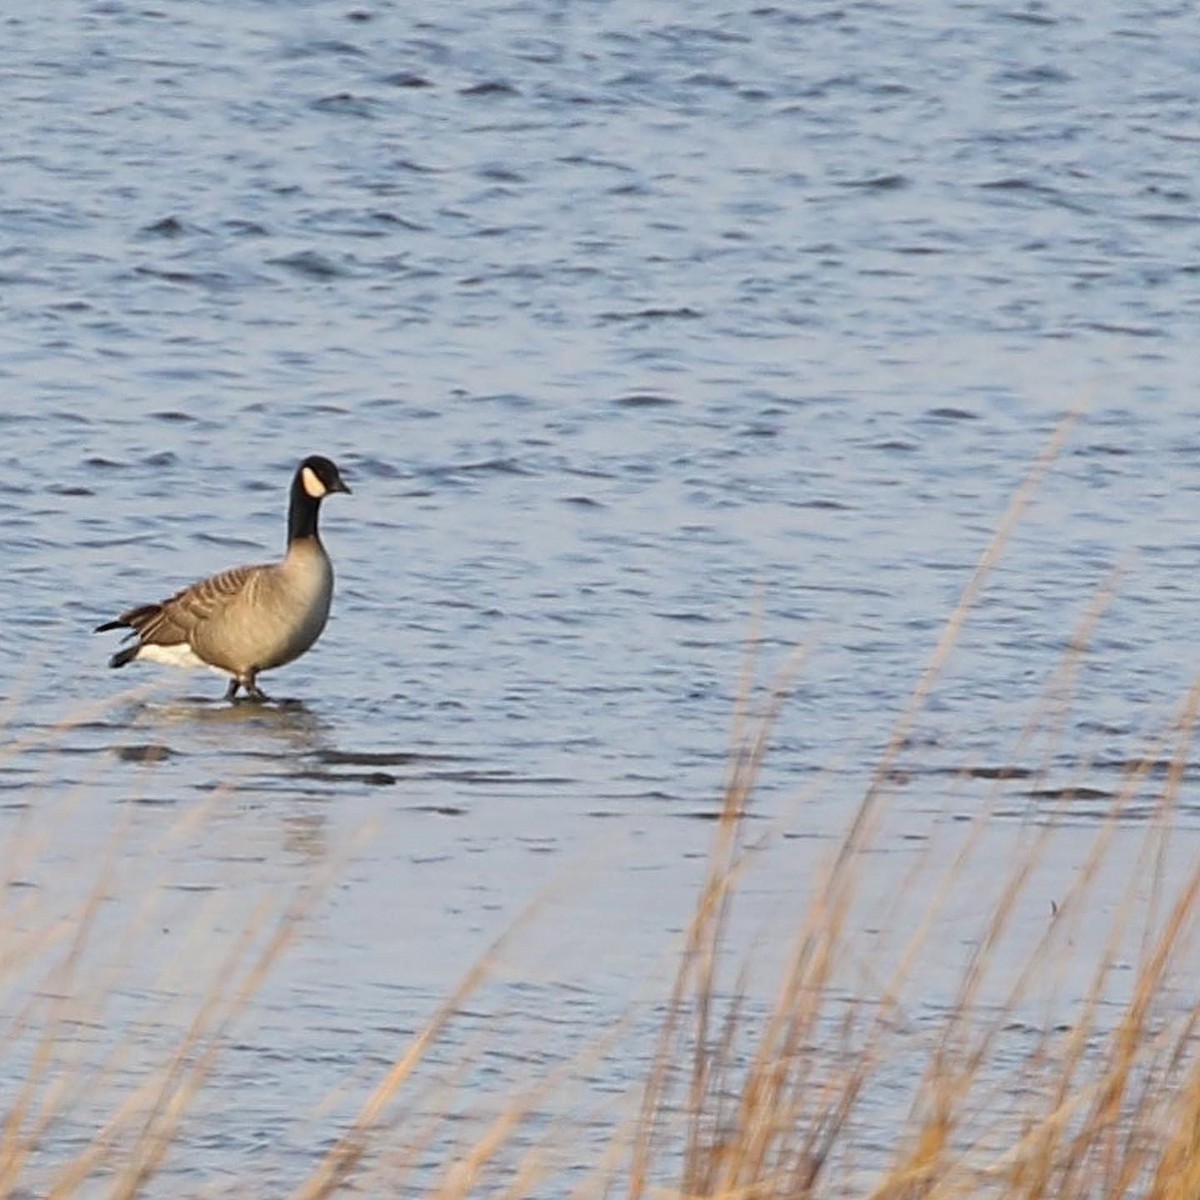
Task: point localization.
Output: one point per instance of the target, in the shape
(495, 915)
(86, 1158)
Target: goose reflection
(259, 754)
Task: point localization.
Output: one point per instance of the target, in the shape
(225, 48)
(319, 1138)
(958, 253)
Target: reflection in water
(251, 751)
(304, 834)
(292, 721)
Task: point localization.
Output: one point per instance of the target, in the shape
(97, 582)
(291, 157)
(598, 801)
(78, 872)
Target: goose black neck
(302, 513)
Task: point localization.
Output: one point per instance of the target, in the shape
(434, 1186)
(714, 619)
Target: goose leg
(253, 691)
(232, 690)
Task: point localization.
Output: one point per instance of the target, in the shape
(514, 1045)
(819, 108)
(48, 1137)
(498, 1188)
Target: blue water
(634, 329)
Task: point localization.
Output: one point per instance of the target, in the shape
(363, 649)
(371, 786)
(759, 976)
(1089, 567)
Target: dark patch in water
(408, 164)
(997, 772)
(508, 778)
(494, 87)
(830, 505)
(310, 263)
(148, 752)
(1069, 793)
(210, 279)
(373, 778)
(878, 183)
(683, 313)
(389, 218)
(500, 174)
(343, 104)
(406, 79)
(1138, 331)
(168, 227)
(242, 228)
(319, 47)
(951, 414)
(1012, 183)
(136, 539)
(1028, 16)
(1040, 74)
(381, 758)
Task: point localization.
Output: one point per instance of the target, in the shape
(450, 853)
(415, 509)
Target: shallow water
(633, 330)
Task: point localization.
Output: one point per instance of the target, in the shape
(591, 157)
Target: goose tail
(122, 657)
(132, 621)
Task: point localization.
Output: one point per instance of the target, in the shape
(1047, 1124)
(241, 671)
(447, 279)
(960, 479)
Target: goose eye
(312, 484)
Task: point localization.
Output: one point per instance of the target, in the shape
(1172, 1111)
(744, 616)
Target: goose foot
(250, 685)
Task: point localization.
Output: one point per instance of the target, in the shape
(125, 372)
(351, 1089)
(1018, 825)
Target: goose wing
(175, 619)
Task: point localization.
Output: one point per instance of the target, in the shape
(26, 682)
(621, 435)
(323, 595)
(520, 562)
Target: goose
(248, 619)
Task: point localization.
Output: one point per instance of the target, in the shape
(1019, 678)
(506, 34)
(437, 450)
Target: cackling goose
(247, 619)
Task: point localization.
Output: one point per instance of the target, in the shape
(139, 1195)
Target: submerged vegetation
(1057, 1059)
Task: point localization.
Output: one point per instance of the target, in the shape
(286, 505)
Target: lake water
(633, 328)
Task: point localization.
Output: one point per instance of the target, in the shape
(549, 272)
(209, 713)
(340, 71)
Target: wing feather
(175, 619)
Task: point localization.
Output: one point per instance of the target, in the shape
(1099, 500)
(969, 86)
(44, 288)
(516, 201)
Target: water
(629, 328)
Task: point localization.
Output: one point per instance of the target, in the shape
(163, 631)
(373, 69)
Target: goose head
(319, 476)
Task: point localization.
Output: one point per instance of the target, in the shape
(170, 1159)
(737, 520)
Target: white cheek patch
(312, 485)
(180, 655)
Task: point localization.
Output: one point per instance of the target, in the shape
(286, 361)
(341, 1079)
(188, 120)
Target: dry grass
(845, 1084)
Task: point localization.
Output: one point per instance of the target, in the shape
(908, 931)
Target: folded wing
(175, 619)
